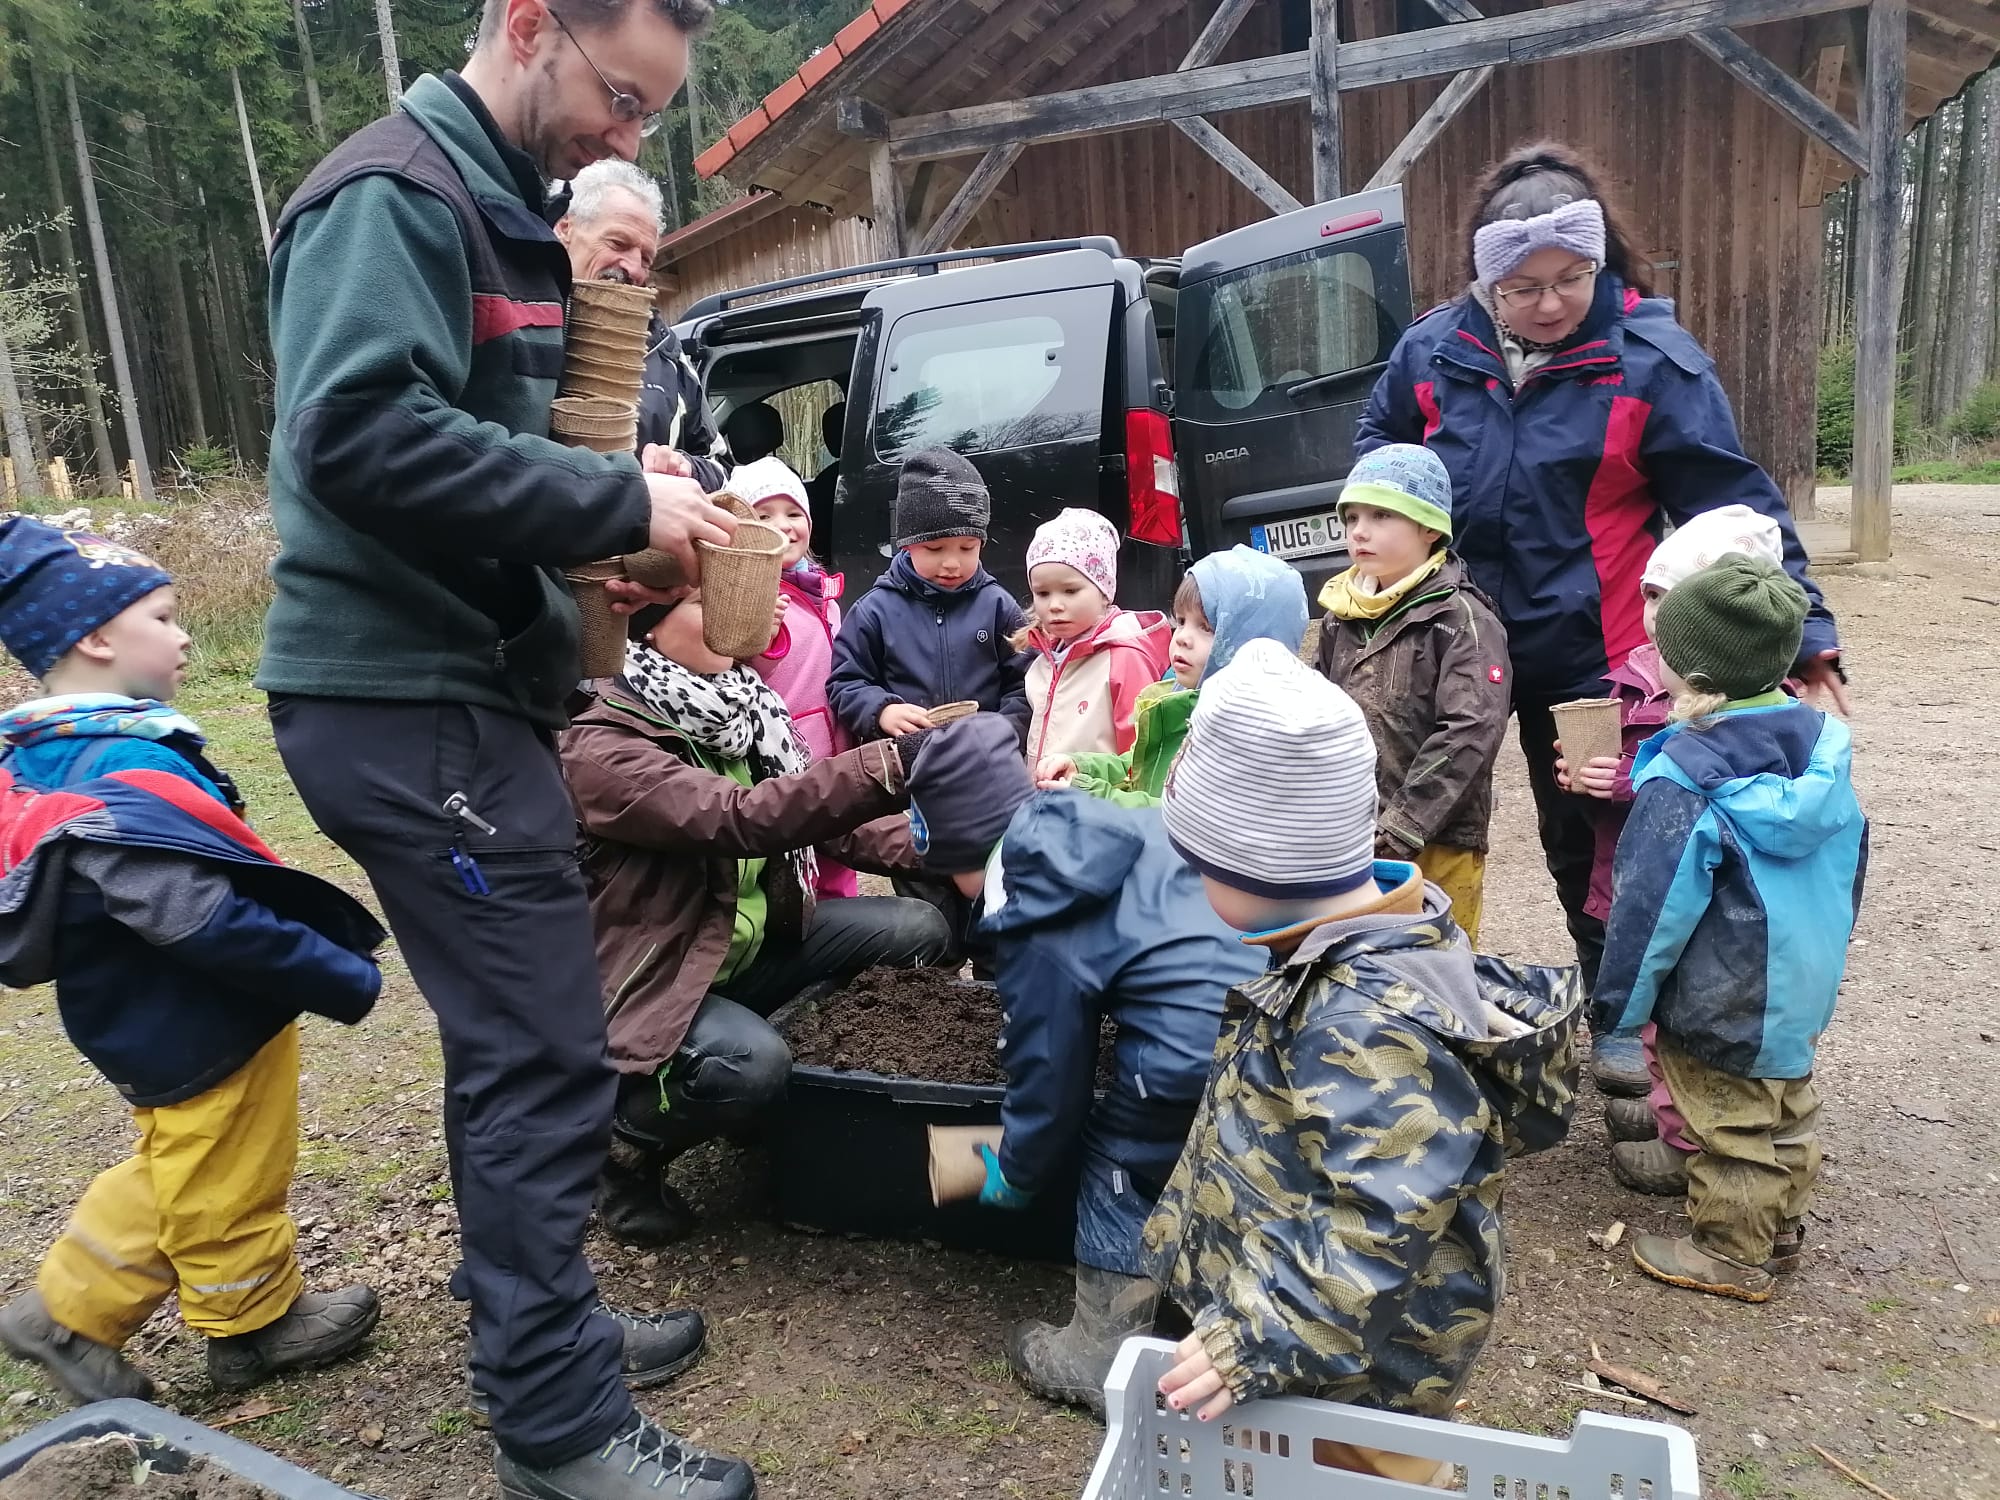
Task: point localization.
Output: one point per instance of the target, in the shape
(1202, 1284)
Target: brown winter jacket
(662, 826)
(1434, 681)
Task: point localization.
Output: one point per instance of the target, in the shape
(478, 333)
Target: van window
(1270, 326)
(1011, 373)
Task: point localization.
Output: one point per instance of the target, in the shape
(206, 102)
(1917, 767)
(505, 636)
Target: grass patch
(1746, 1480)
(1880, 1305)
(451, 1423)
(1946, 471)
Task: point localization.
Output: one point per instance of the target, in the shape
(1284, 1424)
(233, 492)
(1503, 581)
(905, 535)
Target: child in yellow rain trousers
(183, 953)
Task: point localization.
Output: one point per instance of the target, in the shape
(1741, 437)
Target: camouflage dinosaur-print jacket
(1333, 1227)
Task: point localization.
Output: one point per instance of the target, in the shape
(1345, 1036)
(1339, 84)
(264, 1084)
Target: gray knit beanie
(939, 494)
(1274, 789)
(1733, 628)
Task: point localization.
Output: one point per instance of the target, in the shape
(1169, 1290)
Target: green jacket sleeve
(371, 319)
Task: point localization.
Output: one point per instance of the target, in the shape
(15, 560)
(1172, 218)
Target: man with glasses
(420, 652)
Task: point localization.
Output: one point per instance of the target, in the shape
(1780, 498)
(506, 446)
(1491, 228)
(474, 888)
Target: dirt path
(849, 1369)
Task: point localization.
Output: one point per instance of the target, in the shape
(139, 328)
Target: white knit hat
(1085, 541)
(769, 478)
(1710, 536)
(1274, 790)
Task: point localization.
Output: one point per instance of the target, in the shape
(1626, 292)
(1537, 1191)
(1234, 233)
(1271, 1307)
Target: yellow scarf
(1345, 599)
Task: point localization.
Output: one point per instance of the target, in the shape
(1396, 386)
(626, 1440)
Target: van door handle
(1319, 380)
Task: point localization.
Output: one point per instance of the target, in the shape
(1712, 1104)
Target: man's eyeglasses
(1576, 284)
(624, 106)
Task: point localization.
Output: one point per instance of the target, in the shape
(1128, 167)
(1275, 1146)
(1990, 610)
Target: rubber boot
(1618, 1066)
(1630, 1120)
(317, 1329)
(635, 1202)
(86, 1370)
(643, 1462)
(1650, 1167)
(1683, 1263)
(1070, 1364)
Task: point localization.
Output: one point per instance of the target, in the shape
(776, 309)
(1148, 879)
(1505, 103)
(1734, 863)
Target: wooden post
(887, 189)
(59, 485)
(1875, 293)
(392, 65)
(1457, 94)
(1233, 159)
(7, 477)
(966, 202)
(1326, 99)
(315, 111)
(250, 160)
(131, 484)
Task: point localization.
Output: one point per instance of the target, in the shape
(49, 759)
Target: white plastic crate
(1265, 1450)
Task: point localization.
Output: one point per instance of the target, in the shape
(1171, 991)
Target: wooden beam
(861, 118)
(1877, 299)
(1239, 165)
(1784, 92)
(976, 189)
(1325, 56)
(1215, 35)
(1826, 88)
(1073, 21)
(1456, 10)
(1582, 26)
(917, 200)
(1981, 19)
(886, 190)
(973, 47)
(1457, 94)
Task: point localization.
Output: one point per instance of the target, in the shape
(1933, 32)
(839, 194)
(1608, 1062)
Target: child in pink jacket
(799, 659)
(1092, 659)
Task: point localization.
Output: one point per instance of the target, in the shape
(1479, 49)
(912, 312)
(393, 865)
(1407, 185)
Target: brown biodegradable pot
(739, 590)
(957, 1170)
(603, 629)
(619, 389)
(657, 570)
(946, 713)
(623, 352)
(594, 422)
(611, 299)
(1588, 728)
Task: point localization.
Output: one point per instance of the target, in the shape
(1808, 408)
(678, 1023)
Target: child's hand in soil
(1193, 1379)
(1054, 771)
(903, 718)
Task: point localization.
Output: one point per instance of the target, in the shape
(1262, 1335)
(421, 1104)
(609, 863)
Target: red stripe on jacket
(196, 803)
(1427, 403)
(1616, 513)
(493, 315)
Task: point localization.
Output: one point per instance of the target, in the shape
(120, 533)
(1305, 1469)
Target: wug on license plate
(1302, 537)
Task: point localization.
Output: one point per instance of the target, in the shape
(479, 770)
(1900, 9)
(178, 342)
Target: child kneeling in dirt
(1091, 916)
(1737, 884)
(1333, 1228)
(182, 955)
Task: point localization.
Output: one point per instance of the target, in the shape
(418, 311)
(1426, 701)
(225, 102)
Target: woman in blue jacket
(1577, 418)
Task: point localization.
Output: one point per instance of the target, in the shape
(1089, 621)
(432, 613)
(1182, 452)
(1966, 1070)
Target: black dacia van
(1196, 403)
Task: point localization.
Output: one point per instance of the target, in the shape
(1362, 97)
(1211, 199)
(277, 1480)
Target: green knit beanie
(1733, 628)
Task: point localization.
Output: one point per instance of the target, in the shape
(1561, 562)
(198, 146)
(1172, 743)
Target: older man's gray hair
(593, 186)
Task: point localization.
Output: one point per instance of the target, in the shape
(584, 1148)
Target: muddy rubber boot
(1630, 1120)
(1618, 1066)
(319, 1328)
(644, 1462)
(86, 1370)
(635, 1202)
(1788, 1248)
(1650, 1167)
(1684, 1263)
(1070, 1364)
(658, 1346)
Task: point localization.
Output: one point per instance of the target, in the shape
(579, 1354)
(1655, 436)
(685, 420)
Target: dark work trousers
(496, 931)
(1569, 836)
(732, 1065)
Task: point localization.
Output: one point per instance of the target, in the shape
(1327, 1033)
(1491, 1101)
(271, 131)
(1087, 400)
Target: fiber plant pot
(584, 376)
(656, 570)
(957, 1170)
(603, 645)
(596, 423)
(624, 352)
(739, 590)
(1589, 728)
(948, 713)
(610, 302)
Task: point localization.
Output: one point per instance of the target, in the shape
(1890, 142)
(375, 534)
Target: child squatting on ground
(182, 955)
(1424, 656)
(1737, 884)
(1226, 598)
(1092, 660)
(1650, 1147)
(1333, 1226)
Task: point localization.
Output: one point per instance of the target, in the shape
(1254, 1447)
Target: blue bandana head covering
(58, 586)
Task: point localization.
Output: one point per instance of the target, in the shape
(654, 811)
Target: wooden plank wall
(790, 242)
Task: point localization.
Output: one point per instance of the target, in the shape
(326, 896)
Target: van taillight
(1151, 484)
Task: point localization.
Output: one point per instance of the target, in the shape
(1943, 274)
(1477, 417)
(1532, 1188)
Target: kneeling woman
(700, 811)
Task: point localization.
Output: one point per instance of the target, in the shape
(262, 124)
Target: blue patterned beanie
(1405, 478)
(58, 586)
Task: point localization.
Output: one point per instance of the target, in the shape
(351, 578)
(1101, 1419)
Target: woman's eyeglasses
(1571, 287)
(624, 106)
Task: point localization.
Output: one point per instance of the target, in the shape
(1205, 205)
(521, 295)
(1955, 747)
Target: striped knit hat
(1274, 789)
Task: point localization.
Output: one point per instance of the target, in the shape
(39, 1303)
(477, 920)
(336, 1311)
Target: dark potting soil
(913, 1023)
(93, 1468)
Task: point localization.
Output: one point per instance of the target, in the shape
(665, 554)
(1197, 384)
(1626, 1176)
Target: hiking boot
(635, 1202)
(1788, 1248)
(1070, 1364)
(1618, 1066)
(658, 1346)
(644, 1462)
(1650, 1167)
(317, 1329)
(1630, 1120)
(1684, 1263)
(86, 1370)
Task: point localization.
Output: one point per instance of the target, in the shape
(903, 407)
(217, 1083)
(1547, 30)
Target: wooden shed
(1723, 123)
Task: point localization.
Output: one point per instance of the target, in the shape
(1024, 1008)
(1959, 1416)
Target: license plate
(1302, 537)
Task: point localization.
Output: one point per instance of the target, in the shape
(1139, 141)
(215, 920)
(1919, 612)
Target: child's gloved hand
(998, 1192)
(910, 746)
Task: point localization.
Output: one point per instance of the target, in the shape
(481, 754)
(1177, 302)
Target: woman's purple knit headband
(1500, 248)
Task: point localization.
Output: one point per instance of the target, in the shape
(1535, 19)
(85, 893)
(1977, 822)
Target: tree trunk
(392, 65)
(314, 110)
(235, 378)
(14, 415)
(250, 160)
(79, 321)
(180, 306)
(121, 370)
(1975, 318)
(1920, 294)
(185, 385)
(1964, 177)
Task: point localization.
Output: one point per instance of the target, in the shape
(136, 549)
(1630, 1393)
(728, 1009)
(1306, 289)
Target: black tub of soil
(114, 1449)
(873, 1065)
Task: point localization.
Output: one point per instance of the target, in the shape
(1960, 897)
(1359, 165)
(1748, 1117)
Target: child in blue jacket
(182, 954)
(1737, 883)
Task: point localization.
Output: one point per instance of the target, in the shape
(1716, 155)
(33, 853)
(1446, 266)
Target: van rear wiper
(1301, 387)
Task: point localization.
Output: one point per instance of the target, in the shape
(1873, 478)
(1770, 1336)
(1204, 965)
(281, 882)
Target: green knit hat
(1733, 628)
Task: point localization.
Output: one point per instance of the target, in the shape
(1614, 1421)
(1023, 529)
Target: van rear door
(1282, 329)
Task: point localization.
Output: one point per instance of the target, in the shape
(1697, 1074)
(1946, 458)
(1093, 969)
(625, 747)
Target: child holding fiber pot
(1091, 915)
(700, 811)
